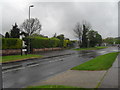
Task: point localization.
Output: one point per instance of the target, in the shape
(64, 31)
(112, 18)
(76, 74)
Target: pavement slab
(84, 79)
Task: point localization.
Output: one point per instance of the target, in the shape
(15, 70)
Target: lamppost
(29, 10)
(29, 28)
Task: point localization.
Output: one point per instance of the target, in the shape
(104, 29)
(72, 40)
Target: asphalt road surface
(29, 74)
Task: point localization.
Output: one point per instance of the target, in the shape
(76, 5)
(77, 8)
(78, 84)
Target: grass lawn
(92, 48)
(102, 62)
(18, 57)
(57, 86)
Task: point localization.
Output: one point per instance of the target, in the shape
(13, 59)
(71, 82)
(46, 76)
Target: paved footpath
(84, 79)
(111, 78)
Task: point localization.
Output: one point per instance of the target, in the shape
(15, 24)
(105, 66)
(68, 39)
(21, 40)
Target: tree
(98, 39)
(91, 38)
(117, 40)
(94, 38)
(31, 26)
(109, 40)
(84, 36)
(61, 38)
(81, 31)
(78, 32)
(15, 31)
(55, 35)
(86, 28)
(7, 35)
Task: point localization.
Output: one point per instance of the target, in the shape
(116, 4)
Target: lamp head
(31, 6)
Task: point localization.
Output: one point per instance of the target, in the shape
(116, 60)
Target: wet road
(33, 73)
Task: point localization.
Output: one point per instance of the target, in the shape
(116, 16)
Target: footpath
(86, 79)
(83, 79)
(111, 79)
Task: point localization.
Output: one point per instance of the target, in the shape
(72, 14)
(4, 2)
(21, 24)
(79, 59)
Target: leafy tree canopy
(15, 31)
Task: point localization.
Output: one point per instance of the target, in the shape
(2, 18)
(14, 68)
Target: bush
(11, 43)
(68, 43)
(65, 44)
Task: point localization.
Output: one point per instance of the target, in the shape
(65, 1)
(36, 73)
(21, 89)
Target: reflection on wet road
(36, 71)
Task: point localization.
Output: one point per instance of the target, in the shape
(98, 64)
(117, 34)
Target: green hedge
(11, 43)
(40, 42)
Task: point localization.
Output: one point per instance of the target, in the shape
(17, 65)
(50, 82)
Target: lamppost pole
(29, 16)
(29, 13)
(88, 43)
(29, 28)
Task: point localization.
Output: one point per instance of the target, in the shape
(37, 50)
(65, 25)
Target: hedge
(11, 43)
(40, 42)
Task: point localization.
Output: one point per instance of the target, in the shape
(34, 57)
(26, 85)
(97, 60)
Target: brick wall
(18, 51)
(45, 49)
(10, 52)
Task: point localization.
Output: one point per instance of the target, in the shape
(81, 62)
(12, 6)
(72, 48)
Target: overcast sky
(61, 17)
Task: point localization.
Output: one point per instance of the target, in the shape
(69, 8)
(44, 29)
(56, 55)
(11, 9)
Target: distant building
(1, 36)
(104, 44)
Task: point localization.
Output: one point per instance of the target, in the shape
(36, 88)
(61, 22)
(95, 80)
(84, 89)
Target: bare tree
(31, 26)
(87, 24)
(86, 28)
(78, 32)
(81, 31)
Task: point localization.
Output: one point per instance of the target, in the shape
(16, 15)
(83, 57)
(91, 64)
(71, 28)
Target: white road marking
(33, 65)
(19, 68)
(102, 51)
(10, 66)
(24, 66)
(13, 70)
(57, 60)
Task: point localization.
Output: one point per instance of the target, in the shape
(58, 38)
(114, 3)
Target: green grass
(91, 48)
(57, 86)
(102, 62)
(52, 86)
(18, 57)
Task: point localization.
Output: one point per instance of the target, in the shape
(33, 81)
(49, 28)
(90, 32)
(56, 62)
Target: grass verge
(92, 48)
(17, 57)
(102, 62)
(52, 86)
(57, 86)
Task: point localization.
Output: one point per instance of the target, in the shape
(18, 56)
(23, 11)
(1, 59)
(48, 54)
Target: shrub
(65, 44)
(68, 43)
(11, 43)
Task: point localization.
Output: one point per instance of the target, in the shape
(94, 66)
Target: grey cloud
(61, 17)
